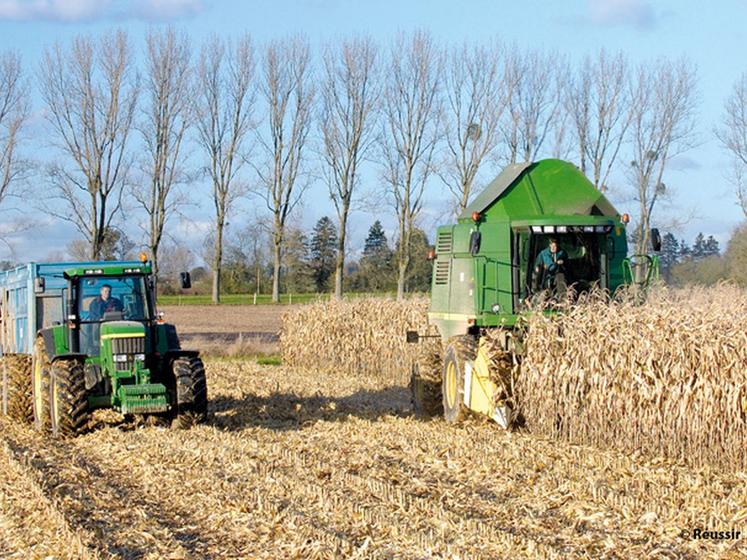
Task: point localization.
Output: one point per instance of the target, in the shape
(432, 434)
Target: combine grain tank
(80, 336)
(539, 230)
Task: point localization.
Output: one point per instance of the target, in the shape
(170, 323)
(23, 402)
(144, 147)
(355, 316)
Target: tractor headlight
(120, 358)
(496, 308)
(139, 357)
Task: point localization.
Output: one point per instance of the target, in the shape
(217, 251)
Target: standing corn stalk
(662, 124)
(349, 98)
(167, 117)
(223, 118)
(91, 93)
(476, 96)
(287, 90)
(412, 118)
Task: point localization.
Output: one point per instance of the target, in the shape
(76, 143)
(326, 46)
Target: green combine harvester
(79, 336)
(539, 230)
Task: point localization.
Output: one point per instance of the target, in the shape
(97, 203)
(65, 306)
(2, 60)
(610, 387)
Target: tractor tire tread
(72, 400)
(191, 392)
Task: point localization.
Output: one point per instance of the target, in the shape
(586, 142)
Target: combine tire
(68, 404)
(40, 386)
(16, 387)
(461, 349)
(191, 392)
(425, 382)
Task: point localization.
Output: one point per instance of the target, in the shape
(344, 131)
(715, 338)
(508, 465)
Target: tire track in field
(35, 518)
(114, 518)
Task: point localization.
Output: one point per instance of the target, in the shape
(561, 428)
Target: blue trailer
(76, 336)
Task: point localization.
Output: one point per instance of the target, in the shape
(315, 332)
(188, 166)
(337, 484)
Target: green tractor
(539, 230)
(95, 341)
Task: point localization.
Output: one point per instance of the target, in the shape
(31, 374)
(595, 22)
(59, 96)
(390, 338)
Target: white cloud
(89, 10)
(638, 13)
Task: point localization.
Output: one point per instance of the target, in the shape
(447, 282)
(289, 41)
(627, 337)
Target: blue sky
(712, 37)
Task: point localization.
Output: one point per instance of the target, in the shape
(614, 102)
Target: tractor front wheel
(68, 402)
(191, 392)
(461, 349)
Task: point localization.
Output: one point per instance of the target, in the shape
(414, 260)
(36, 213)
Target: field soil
(295, 464)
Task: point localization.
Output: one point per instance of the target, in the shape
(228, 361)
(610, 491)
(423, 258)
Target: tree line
(240, 120)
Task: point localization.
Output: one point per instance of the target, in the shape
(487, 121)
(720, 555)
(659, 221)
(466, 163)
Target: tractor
(80, 336)
(540, 230)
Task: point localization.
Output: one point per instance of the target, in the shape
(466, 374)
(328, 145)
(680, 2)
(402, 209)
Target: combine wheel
(68, 402)
(16, 387)
(191, 392)
(40, 385)
(425, 381)
(461, 349)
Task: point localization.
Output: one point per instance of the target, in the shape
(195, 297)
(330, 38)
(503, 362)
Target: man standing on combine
(104, 303)
(548, 267)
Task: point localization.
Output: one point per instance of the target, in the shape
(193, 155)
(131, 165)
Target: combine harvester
(79, 336)
(496, 260)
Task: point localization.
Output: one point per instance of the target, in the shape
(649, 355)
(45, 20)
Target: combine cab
(539, 230)
(81, 336)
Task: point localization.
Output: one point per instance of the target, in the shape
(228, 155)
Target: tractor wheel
(68, 402)
(191, 392)
(17, 387)
(461, 349)
(425, 381)
(40, 385)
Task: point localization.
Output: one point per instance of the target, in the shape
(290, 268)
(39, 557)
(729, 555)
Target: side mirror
(185, 281)
(655, 239)
(474, 243)
(39, 285)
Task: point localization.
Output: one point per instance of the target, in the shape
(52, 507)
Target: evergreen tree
(296, 277)
(323, 248)
(375, 271)
(669, 254)
(685, 251)
(710, 247)
(698, 250)
(421, 269)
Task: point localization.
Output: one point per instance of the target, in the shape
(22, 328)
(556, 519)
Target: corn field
(666, 377)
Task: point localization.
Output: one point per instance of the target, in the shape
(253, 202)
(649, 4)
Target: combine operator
(549, 268)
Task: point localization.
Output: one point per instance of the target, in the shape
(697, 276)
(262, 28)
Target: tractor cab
(103, 301)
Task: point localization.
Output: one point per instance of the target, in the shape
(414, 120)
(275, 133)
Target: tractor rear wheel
(425, 381)
(40, 385)
(191, 392)
(461, 349)
(16, 387)
(68, 402)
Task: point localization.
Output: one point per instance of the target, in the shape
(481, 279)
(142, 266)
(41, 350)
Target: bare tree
(223, 119)
(733, 135)
(535, 102)
(476, 96)
(662, 126)
(91, 92)
(166, 118)
(349, 97)
(14, 109)
(287, 89)
(412, 115)
(598, 101)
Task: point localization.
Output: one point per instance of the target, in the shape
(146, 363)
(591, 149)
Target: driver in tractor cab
(104, 303)
(549, 267)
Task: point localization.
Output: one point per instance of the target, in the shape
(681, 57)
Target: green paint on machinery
(485, 273)
(96, 341)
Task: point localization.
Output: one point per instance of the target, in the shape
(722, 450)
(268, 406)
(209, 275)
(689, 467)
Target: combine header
(538, 230)
(80, 336)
